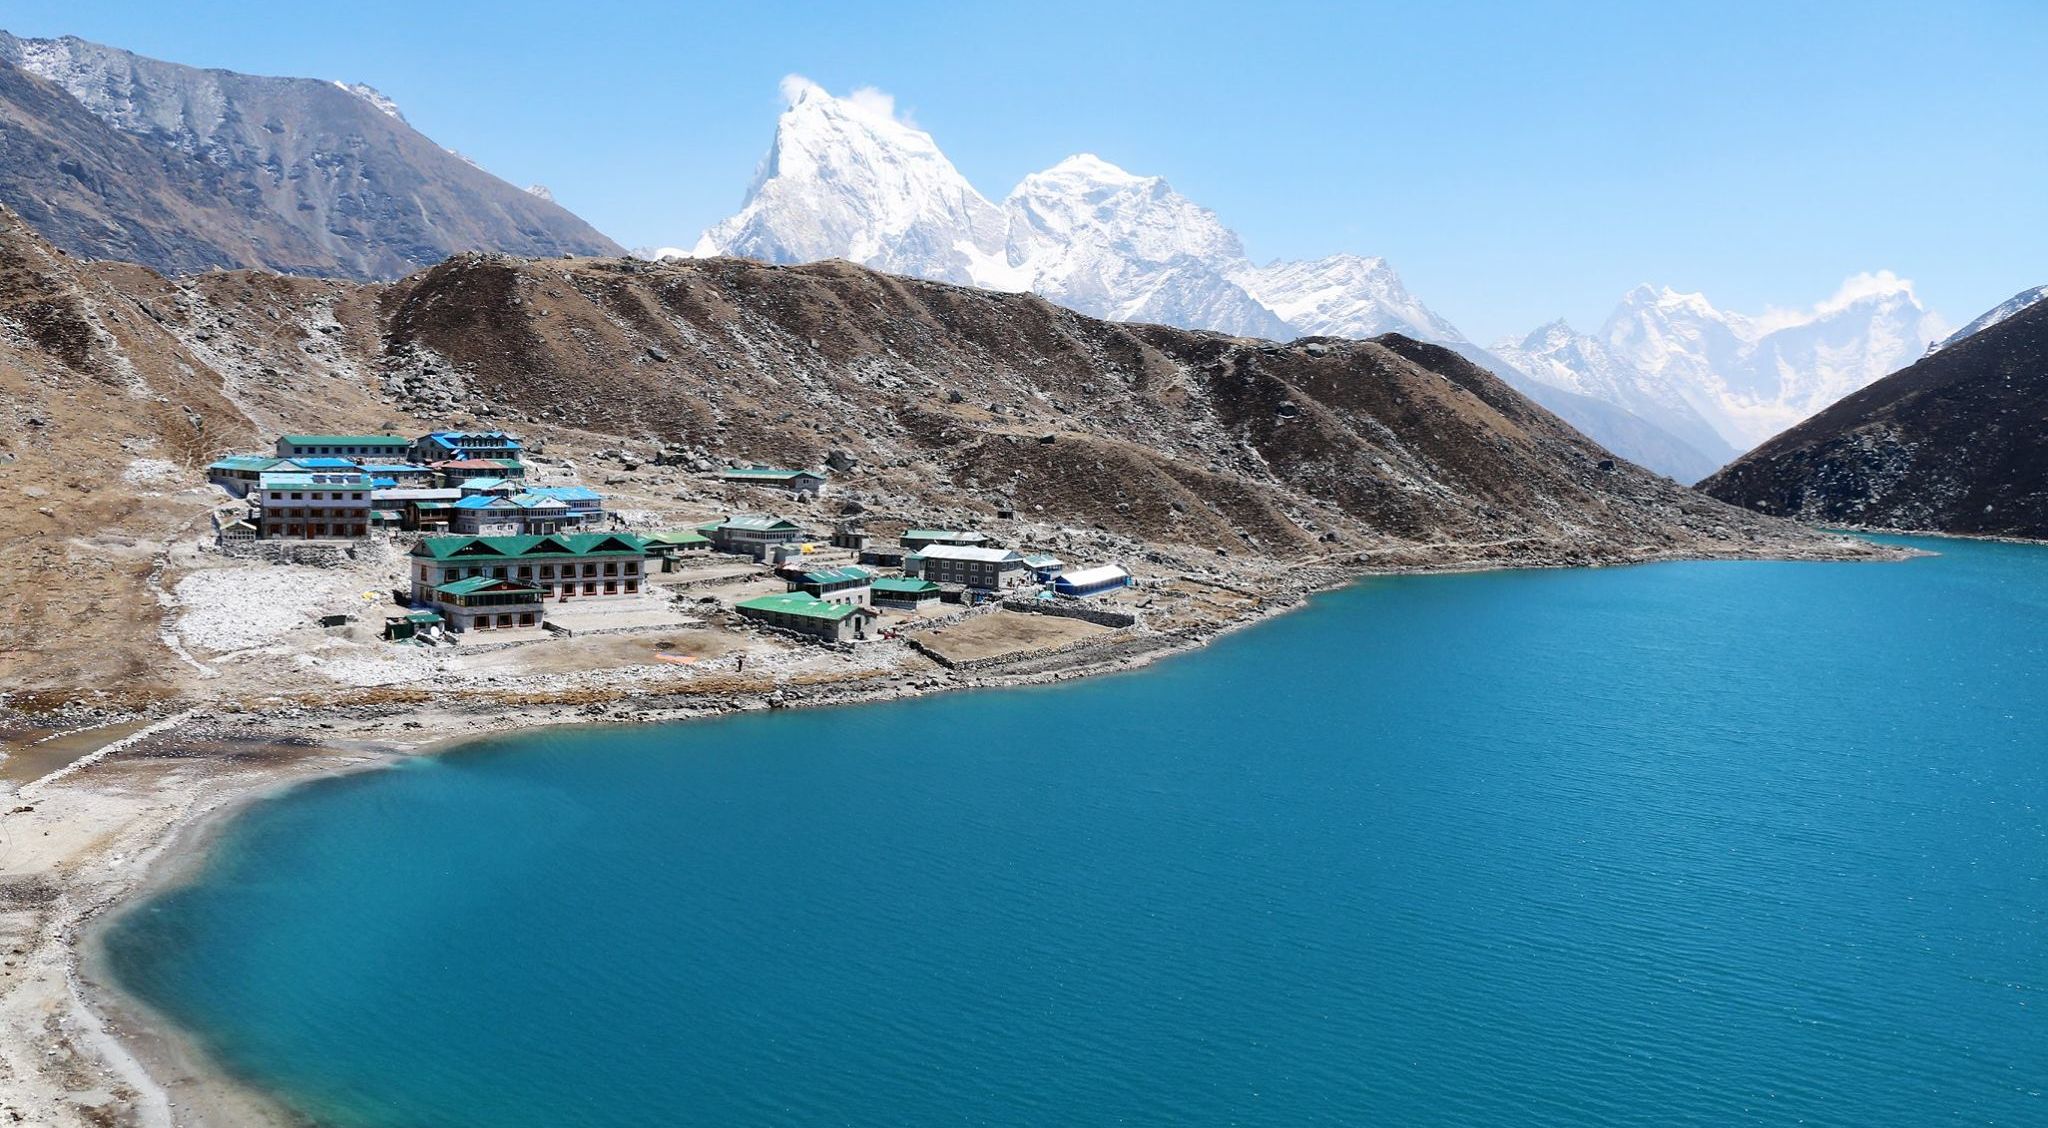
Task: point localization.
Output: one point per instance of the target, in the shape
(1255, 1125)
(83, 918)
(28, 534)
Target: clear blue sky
(1515, 163)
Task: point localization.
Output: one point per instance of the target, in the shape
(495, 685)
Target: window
(610, 568)
(298, 497)
(590, 569)
(632, 568)
(590, 588)
(547, 571)
(632, 586)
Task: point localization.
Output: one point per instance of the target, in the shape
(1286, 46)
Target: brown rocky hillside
(1190, 450)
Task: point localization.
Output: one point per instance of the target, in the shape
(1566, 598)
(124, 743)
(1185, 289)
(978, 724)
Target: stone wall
(1100, 616)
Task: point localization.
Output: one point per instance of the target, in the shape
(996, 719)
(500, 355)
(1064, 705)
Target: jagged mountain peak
(848, 178)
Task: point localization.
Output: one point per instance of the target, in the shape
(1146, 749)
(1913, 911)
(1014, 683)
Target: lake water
(1715, 843)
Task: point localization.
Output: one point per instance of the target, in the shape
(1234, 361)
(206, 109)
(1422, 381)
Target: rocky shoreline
(123, 822)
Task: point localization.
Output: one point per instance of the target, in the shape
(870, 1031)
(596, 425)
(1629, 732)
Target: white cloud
(868, 100)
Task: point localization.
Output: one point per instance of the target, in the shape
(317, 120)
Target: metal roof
(753, 522)
(893, 585)
(800, 605)
(302, 480)
(345, 440)
(244, 462)
(971, 552)
(554, 544)
(838, 575)
(1089, 577)
(677, 538)
(567, 493)
(474, 584)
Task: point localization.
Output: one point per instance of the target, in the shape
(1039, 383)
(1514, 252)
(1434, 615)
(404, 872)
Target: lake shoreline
(156, 1074)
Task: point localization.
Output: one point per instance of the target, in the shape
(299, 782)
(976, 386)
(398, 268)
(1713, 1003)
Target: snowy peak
(375, 97)
(1749, 376)
(1344, 296)
(2018, 303)
(847, 178)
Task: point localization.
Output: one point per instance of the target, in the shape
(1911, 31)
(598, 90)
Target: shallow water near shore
(1699, 843)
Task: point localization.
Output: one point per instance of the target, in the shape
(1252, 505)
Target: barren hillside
(1194, 451)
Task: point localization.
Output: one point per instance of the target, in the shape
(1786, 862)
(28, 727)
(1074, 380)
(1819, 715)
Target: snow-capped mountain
(1669, 381)
(2023, 300)
(1557, 355)
(846, 179)
(1753, 376)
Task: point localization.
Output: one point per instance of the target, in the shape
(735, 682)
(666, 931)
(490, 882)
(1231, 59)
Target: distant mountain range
(1955, 443)
(115, 156)
(1669, 381)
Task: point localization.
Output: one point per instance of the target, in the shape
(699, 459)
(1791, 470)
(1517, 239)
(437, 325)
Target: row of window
(312, 529)
(316, 495)
(525, 571)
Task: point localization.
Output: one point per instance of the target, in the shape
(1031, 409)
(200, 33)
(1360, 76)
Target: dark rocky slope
(189, 169)
(1957, 443)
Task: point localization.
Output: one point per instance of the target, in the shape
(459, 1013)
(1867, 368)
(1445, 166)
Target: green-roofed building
(673, 546)
(802, 483)
(363, 448)
(903, 594)
(823, 619)
(840, 585)
(566, 567)
(751, 534)
(239, 473)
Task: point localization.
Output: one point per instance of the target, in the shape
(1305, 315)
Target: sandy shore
(135, 815)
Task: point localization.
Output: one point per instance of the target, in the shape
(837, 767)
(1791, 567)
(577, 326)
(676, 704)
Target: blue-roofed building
(585, 504)
(445, 446)
(489, 515)
(321, 463)
(498, 487)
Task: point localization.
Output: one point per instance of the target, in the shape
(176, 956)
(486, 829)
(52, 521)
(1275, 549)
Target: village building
(494, 515)
(420, 509)
(567, 567)
(800, 483)
(482, 603)
(751, 534)
(917, 540)
(671, 548)
(988, 569)
(845, 585)
(365, 448)
(822, 619)
(498, 487)
(456, 446)
(302, 505)
(883, 556)
(586, 505)
(239, 473)
(1045, 568)
(455, 471)
(904, 594)
(397, 475)
(1092, 581)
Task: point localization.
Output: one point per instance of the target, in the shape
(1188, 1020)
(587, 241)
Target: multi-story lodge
(842, 585)
(906, 594)
(448, 446)
(455, 471)
(496, 515)
(239, 473)
(365, 448)
(751, 534)
(564, 567)
(585, 504)
(313, 505)
(988, 569)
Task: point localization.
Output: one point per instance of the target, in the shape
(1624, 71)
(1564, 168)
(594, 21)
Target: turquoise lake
(1686, 844)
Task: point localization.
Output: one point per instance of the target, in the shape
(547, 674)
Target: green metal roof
(800, 605)
(753, 522)
(838, 575)
(558, 544)
(677, 537)
(244, 462)
(346, 440)
(894, 586)
(474, 584)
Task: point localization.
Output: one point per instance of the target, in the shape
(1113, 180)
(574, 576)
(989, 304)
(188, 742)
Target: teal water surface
(1711, 844)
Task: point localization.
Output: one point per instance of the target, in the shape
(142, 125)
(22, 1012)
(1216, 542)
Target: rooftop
(558, 544)
(850, 573)
(756, 522)
(301, 480)
(244, 462)
(346, 440)
(896, 585)
(800, 605)
(970, 552)
(475, 584)
(1101, 573)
